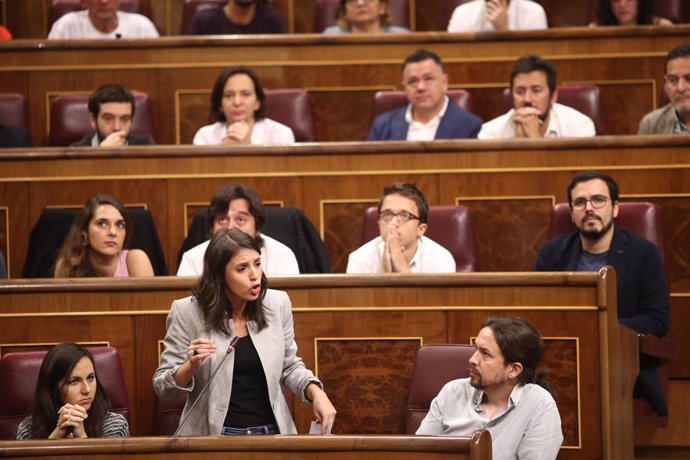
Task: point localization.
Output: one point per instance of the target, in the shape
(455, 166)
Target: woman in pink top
(94, 244)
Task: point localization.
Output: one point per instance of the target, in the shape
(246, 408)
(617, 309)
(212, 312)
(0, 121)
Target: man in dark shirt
(111, 110)
(238, 17)
(14, 137)
(643, 301)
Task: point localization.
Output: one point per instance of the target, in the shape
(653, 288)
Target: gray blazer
(660, 121)
(275, 345)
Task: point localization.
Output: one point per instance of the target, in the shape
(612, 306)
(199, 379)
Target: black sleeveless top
(249, 402)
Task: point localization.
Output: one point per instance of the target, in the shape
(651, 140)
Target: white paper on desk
(316, 428)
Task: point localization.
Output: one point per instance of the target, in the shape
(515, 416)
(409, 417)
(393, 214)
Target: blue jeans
(264, 429)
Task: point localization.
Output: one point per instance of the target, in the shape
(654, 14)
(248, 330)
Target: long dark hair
(55, 369)
(73, 260)
(605, 16)
(211, 289)
(520, 342)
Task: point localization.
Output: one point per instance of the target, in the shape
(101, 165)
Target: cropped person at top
(430, 114)
(94, 245)
(674, 117)
(239, 206)
(364, 16)
(101, 19)
(231, 300)
(111, 111)
(628, 13)
(401, 246)
(70, 401)
(238, 17)
(535, 113)
(498, 15)
(238, 103)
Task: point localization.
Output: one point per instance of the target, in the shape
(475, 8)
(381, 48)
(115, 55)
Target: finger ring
(196, 352)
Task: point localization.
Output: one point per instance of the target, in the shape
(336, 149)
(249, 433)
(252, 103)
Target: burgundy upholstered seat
(192, 7)
(434, 366)
(13, 110)
(291, 107)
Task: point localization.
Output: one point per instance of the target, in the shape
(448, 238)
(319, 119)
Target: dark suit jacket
(14, 137)
(132, 139)
(455, 124)
(643, 302)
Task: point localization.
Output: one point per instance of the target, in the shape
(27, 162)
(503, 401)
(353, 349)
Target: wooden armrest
(658, 347)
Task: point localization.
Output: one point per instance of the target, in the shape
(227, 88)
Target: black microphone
(118, 35)
(231, 347)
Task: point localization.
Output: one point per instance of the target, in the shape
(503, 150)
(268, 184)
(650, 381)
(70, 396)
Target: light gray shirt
(529, 427)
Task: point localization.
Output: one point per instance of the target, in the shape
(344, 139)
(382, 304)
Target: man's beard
(594, 235)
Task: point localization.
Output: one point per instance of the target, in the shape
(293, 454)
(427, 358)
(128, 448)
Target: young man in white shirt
(535, 113)
(239, 206)
(402, 246)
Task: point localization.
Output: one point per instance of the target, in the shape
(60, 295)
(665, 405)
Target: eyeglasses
(598, 201)
(403, 216)
(357, 1)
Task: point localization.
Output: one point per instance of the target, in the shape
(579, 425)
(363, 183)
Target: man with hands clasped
(402, 246)
(535, 113)
(498, 15)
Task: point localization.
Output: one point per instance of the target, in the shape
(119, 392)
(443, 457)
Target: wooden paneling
(360, 334)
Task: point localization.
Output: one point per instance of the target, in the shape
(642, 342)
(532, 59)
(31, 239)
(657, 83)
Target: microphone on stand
(231, 347)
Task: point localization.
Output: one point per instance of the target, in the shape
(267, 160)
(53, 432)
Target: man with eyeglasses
(402, 246)
(430, 114)
(643, 300)
(674, 117)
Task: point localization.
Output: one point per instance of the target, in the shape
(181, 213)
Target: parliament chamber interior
(357, 333)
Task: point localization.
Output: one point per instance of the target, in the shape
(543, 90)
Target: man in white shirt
(499, 15)
(402, 246)
(504, 394)
(100, 19)
(535, 113)
(239, 206)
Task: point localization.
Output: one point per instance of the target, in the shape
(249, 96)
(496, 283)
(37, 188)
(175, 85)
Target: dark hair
(605, 16)
(221, 202)
(73, 260)
(56, 367)
(217, 93)
(677, 52)
(344, 22)
(586, 176)
(109, 93)
(408, 190)
(534, 63)
(519, 342)
(211, 289)
(422, 55)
